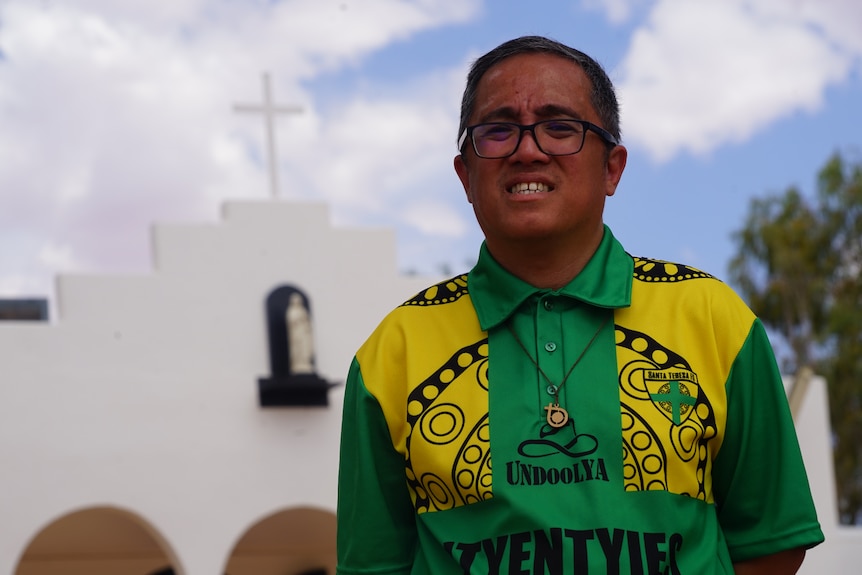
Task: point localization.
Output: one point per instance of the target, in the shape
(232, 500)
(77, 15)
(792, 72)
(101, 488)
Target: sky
(116, 116)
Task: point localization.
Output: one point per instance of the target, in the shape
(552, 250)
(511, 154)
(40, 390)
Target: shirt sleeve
(762, 494)
(376, 530)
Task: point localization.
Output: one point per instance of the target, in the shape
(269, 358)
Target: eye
(496, 132)
(562, 128)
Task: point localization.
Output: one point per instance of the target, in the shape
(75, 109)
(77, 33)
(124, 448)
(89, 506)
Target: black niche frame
(283, 388)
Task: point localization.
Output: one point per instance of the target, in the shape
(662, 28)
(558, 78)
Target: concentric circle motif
(435, 423)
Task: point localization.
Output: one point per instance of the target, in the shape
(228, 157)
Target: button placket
(549, 336)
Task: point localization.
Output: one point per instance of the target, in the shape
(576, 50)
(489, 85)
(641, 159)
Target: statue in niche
(291, 352)
(300, 343)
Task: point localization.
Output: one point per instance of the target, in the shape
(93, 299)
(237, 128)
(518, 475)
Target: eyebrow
(548, 111)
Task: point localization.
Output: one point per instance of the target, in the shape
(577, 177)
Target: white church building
(137, 434)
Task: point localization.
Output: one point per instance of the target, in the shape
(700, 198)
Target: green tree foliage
(798, 264)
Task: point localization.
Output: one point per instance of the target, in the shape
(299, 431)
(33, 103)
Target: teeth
(529, 188)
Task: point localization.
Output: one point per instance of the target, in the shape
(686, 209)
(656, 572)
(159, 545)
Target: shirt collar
(606, 282)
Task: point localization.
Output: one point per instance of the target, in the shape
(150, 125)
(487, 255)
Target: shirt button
(550, 346)
(549, 305)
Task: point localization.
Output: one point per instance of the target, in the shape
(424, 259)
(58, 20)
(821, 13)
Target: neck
(543, 265)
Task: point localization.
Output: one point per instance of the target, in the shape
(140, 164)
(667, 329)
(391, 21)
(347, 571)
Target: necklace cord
(557, 388)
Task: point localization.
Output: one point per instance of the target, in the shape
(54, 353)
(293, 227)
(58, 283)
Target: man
(564, 407)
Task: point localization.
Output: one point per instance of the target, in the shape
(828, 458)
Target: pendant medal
(557, 416)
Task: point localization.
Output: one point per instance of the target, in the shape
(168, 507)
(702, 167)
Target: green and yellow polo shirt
(679, 455)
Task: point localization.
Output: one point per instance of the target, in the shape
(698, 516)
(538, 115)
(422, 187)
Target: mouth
(527, 188)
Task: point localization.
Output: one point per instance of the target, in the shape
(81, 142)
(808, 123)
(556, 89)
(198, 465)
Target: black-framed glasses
(495, 140)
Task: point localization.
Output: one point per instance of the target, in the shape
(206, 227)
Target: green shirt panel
(373, 499)
(764, 502)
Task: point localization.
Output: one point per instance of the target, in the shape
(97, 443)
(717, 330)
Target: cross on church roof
(269, 111)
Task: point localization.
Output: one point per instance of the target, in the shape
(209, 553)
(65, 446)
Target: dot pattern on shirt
(658, 271)
(443, 292)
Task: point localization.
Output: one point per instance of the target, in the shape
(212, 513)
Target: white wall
(143, 395)
(842, 551)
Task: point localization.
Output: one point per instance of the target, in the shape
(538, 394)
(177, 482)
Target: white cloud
(59, 257)
(435, 218)
(616, 11)
(838, 21)
(703, 74)
(380, 150)
(119, 114)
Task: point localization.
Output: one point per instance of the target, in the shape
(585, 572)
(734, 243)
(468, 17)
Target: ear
(614, 171)
(463, 175)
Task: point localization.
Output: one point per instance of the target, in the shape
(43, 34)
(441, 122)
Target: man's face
(566, 210)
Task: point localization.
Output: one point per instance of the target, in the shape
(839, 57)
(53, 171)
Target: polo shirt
(679, 455)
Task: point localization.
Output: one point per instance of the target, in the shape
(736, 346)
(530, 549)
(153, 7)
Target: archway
(299, 541)
(95, 541)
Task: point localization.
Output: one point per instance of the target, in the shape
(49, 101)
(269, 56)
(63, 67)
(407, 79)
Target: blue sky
(118, 116)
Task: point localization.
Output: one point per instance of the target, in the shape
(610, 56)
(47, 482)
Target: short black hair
(603, 96)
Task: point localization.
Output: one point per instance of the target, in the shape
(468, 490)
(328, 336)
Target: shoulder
(683, 290)
(679, 278)
(440, 311)
(419, 336)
